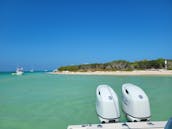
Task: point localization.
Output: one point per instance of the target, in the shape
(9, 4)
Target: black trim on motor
(108, 118)
(137, 117)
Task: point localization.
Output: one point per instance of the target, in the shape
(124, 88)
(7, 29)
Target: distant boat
(45, 70)
(31, 70)
(19, 71)
(55, 70)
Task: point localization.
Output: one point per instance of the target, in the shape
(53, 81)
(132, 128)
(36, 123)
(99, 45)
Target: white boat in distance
(31, 70)
(19, 71)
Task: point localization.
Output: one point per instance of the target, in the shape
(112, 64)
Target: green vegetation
(121, 65)
(169, 65)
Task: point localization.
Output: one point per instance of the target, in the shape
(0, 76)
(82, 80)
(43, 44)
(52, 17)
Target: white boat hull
(19, 73)
(123, 125)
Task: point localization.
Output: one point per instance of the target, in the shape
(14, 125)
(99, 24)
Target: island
(120, 67)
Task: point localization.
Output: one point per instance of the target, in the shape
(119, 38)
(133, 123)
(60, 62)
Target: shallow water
(42, 101)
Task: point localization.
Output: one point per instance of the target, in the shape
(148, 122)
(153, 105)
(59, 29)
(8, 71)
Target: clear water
(42, 101)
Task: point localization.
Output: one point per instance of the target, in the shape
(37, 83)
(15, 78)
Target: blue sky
(48, 34)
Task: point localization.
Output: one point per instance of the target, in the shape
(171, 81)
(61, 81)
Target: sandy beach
(135, 72)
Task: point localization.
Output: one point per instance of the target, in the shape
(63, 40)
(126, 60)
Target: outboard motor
(135, 103)
(107, 105)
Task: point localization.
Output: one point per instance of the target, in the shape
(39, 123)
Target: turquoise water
(42, 101)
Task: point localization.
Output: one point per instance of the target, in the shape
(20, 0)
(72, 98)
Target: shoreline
(130, 73)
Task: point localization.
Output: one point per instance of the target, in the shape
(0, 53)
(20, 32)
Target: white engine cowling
(107, 105)
(135, 103)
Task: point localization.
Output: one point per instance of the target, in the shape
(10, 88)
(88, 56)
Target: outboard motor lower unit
(135, 103)
(107, 104)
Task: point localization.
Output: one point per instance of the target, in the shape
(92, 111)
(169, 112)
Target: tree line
(119, 65)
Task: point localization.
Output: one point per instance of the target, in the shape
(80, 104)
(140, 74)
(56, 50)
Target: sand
(135, 72)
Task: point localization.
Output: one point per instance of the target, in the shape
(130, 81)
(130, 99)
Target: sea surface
(46, 101)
